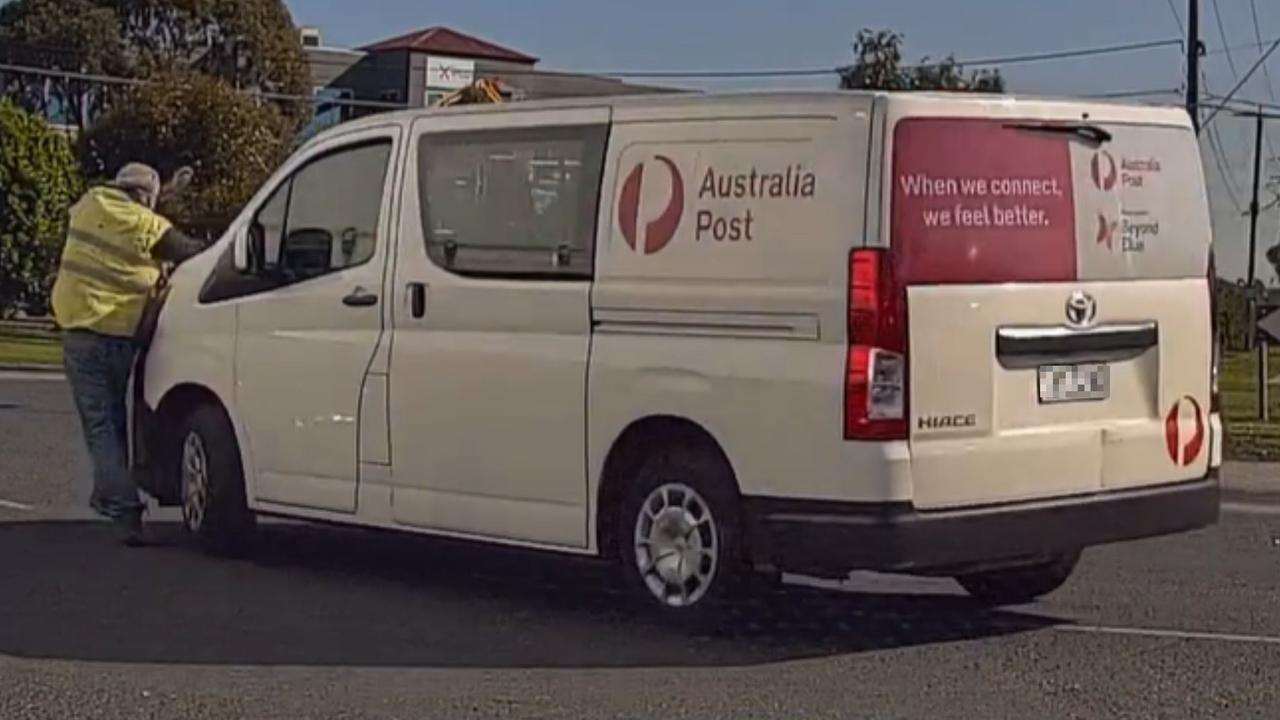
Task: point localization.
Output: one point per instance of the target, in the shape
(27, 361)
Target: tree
(188, 118)
(1273, 257)
(251, 44)
(1233, 300)
(38, 181)
(220, 85)
(78, 36)
(877, 65)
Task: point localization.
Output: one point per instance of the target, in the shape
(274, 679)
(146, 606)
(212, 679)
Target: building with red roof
(416, 69)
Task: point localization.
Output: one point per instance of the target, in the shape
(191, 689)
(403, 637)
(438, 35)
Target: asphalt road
(331, 623)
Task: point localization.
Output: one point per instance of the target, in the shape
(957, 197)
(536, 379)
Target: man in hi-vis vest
(115, 243)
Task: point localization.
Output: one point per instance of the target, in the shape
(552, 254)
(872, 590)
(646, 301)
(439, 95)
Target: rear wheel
(679, 539)
(214, 507)
(1016, 586)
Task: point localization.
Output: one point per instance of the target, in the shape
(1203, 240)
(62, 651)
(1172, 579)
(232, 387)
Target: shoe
(131, 530)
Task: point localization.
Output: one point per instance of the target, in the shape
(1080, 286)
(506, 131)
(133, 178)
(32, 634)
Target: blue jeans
(98, 368)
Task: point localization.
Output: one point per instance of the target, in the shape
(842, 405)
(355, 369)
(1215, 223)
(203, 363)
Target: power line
(1245, 79)
(134, 82)
(1271, 148)
(1241, 103)
(1177, 18)
(1217, 145)
(1222, 157)
(1066, 54)
(1226, 46)
(1219, 159)
(772, 72)
(1115, 95)
(1231, 63)
(1257, 32)
(1242, 46)
(1266, 72)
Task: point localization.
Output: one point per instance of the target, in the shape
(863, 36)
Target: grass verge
(1248, 438)
(24, 343)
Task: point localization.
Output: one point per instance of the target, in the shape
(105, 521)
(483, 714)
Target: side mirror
(241, 253)
(250, 251)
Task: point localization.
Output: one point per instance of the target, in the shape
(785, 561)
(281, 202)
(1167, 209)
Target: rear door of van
(1055, 261)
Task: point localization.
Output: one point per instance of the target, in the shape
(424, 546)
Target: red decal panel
(975, 201)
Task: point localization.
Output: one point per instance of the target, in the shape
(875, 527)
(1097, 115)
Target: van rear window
(984, 201)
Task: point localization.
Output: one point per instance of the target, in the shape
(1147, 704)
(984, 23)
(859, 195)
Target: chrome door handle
(360, 298)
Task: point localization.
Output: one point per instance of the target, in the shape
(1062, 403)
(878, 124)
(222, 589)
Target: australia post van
(711, 336)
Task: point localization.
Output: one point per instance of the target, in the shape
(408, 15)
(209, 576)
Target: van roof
(806, 102)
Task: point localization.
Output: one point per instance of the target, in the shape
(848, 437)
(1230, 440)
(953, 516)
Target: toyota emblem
(1081, 309)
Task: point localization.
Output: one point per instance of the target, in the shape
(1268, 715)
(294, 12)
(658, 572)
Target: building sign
(449, 73)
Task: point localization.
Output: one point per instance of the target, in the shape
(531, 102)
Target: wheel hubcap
(676, 545)
(195, 482)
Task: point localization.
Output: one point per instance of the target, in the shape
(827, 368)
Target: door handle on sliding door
(417, 299)
(360, 298)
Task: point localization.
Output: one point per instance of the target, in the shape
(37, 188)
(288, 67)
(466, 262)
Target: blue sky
(612, 35)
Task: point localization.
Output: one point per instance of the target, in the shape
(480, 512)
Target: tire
(1017, 586)
(679, 539)
(211, 482)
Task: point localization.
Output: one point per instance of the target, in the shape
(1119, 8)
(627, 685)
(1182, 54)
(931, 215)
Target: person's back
(107, 268)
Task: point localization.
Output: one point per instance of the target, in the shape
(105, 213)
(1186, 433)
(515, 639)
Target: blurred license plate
(1074, 383)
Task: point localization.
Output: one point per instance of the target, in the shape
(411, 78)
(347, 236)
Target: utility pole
(1255, 206)
(1263, 339)
(1193, 63)
(1253, 202)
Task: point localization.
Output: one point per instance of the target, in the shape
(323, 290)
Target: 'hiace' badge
(947, 422)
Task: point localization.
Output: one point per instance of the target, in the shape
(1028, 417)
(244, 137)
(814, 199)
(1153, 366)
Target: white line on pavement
(1174, 634)
(24, 376)
(13, 505)
(1250, 508)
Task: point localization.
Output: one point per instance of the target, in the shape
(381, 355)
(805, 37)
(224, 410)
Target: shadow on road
(323, 596)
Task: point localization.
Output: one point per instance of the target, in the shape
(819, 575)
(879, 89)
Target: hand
(180, 180)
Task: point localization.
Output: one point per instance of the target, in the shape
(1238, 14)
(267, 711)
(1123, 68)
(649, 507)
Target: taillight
(1215, 351)
(875, 391)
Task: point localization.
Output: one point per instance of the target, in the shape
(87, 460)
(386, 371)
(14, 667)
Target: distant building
(417, 69)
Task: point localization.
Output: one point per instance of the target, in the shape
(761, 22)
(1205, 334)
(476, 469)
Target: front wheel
(1020, 585)
(680, 541)
(214, 506)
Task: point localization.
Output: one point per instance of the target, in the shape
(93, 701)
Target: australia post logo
(1183, 446)
(651, 232)
(1135, 225)
(1104, 171)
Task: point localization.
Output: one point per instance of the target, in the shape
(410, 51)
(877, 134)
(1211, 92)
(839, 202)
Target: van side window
(324, 218)
(512, 203)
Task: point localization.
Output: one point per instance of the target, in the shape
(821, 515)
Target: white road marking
(14, 505)
(1244, 508)
(1170, 634)
(26, 376)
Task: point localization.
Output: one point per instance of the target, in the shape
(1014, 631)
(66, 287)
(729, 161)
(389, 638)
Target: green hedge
(39, 180)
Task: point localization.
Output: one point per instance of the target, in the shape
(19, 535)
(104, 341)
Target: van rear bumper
(830, 539)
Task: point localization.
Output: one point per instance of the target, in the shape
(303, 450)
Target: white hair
(140, 181)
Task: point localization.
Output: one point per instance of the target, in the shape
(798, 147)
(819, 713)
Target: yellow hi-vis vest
(107, 269)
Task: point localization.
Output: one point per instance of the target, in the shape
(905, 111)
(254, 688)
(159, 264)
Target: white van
(710, 337)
